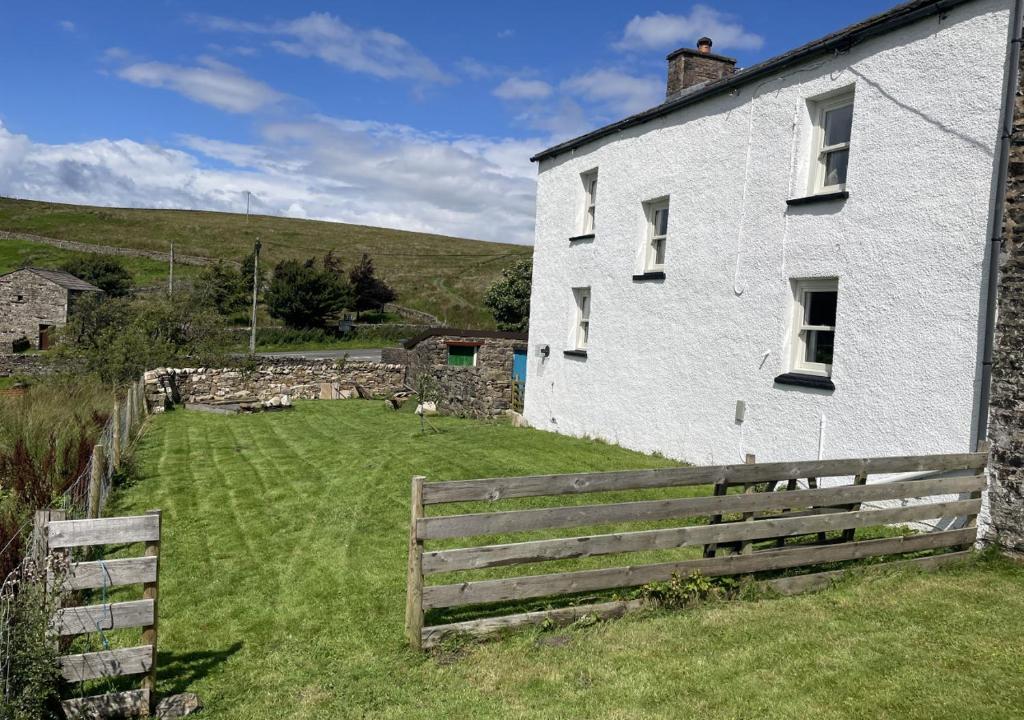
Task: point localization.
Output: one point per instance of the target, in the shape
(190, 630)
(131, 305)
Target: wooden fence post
(861, 479)
(115, 437)
(150, 591)
(972, 520)
(414, 581)
(97, 472)
(747, 546)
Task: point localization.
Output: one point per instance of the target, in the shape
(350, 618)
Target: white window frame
(582, 327)
(800, 327)
(820, 150)
(589, 179)
(650, 252)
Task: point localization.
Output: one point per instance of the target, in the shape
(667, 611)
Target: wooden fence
(66, 535)
(772, 506)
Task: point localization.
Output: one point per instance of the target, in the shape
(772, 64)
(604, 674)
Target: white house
(790, 259)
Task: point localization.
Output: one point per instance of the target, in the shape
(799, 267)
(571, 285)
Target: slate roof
(65, 280)
(841, 40)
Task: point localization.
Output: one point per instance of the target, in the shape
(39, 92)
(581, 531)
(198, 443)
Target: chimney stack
(688, 67)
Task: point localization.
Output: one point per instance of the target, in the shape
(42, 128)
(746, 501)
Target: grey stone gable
(63, 279)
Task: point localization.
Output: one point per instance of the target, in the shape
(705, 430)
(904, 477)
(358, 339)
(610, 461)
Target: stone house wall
(483, 390)
(1006, 404)
(297, 378)
(26, 302)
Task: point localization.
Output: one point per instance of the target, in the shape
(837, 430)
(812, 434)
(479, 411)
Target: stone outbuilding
(471, 372)
(33, 302)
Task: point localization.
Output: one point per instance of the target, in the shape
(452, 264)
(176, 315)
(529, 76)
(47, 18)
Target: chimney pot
(688, 67)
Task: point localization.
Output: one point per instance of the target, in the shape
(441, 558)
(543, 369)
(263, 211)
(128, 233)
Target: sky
(412, 115)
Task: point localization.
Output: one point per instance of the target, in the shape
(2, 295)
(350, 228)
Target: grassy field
(444, 276)
(145, 272)
(283, 576)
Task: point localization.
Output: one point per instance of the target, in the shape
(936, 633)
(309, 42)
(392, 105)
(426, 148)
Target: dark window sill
(653, 275)
(821, 197)
(817, 382)
(581, 238)
(575, 353)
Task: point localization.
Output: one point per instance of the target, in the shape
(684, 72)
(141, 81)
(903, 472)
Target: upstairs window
(582, 317)
(815, 326)
(833, 126)
(657, 235)
(462, 355)
(589, 202)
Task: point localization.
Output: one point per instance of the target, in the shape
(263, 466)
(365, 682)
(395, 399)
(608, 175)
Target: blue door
(518, 378)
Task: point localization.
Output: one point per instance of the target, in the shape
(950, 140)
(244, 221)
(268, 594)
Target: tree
(371, 293)
(120, 338)
(306, 296)
(106, 273)
(223, 288)
(508, 299)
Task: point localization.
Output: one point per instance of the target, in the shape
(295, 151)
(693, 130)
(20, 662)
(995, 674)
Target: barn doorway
(45, 339)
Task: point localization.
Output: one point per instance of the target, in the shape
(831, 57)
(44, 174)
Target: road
(369, 355)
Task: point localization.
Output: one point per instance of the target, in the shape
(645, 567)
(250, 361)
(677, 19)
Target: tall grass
(46, 437)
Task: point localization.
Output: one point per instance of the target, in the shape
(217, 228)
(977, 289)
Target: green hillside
(445, 276)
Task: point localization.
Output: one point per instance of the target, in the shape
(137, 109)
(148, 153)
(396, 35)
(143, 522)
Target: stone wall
(26, 302)
(272, 379)
(483, 390)
(33, 364)
(1006, 411)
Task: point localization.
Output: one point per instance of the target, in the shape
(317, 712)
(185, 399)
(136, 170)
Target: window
(582, 317)
(462, 355)
(657, 235)
(590, 202)
(815, 316)
(833, 124)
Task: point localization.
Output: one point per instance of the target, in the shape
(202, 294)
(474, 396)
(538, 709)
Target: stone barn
(33, 302)
(471, 371)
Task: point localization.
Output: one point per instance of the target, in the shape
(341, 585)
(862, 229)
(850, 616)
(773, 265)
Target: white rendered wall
(668, 360)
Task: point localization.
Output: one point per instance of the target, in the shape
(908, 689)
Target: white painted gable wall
(668, 361)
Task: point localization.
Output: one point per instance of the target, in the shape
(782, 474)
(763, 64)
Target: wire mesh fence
(85, 496)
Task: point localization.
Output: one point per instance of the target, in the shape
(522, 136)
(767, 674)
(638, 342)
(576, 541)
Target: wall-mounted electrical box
(741, 410)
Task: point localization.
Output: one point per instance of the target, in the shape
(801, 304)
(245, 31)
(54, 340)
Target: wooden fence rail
(66, 535)
(771, 507)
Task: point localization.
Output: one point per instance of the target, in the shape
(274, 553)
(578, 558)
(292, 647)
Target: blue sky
(401, 114)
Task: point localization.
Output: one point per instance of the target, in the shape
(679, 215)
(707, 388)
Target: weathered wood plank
(414, 572)
(816, 581)
(111, 706)
(103, 531)
(112, 573)
(106, 663)
(93, 618)
(495, 523)
(521, 588)
(487, 556)
(435, 634)
(150, 592)
(566, 484)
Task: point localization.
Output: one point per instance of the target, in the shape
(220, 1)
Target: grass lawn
(283, 590)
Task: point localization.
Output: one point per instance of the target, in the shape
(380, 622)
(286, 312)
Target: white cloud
(519, 89)
(319, 167)
(660, 31)
(67, 25)
(506, 33)
(212, 82)
(324, 36)
(620, 92)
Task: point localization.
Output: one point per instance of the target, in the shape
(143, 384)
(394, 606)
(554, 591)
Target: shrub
(106, 273)
(223, 288)
(509, 298)
(371, 293)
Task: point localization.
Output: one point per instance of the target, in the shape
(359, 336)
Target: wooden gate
(65, 536)
(730, 525)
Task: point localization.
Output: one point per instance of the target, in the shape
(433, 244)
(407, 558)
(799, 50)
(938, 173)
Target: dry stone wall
(271, 383)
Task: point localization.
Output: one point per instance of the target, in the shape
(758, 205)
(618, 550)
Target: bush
(223, 288)
(371, 293)
(106, 273)
(509, 298)
(118, 339)
(32, 678)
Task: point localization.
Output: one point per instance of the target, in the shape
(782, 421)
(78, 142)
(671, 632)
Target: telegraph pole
(255, 290)
(170, 274)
